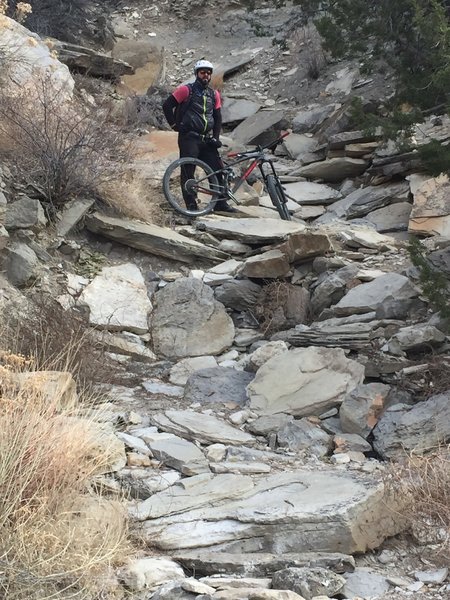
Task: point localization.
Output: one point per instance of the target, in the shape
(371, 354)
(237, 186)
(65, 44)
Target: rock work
(272, 369)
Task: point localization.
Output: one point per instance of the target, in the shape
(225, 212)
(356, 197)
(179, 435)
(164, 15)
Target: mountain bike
(204, 184)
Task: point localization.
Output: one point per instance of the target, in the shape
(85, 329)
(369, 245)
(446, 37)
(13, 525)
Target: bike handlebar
(261, 148)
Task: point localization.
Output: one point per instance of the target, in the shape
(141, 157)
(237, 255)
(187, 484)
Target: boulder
(369, 296)
(217, 385)
(117, 299)
(362, 407)
(301, 434)
(21, 264)
(238, 294)
(304, 381)
(149, 573)
(188, 321)
(421, 428)
(32, 61)
(308, 582)
(272, 264)
(25, 213)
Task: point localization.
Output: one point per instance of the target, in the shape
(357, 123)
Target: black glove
(215, 143)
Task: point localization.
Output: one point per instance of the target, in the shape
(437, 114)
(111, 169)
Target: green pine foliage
(412, 36)
(435, 286)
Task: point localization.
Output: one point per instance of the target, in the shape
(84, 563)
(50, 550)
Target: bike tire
(172, 186)
(278, 198)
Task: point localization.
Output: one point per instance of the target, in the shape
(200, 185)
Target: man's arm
(217, 114)
(169, 107)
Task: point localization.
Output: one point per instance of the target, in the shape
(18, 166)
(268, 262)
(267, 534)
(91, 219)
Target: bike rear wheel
(200, 184)
(278, 197)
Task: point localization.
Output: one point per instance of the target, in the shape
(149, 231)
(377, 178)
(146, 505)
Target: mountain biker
(194, 111)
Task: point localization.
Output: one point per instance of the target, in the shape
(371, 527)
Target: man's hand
(215, 143)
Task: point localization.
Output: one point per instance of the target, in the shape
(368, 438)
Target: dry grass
(56, 541)
(424, 484)
(132, 197)
(53, 338)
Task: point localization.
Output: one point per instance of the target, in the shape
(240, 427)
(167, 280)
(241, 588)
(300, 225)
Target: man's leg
(211, 157)
(189, 147)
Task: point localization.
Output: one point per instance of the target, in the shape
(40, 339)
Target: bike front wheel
(190, 187)
(278, 197)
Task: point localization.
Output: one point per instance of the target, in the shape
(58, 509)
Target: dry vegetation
(424, 484)
(64, 150)
(52, 337)
(57, 540)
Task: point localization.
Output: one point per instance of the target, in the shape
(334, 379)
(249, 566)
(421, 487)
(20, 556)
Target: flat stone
(151, 238)
(158, 387)
(334, 169)
(258, 564)
(183, 369)
(251, 231)
(236, 109)
(299, 511)
(180, 454)
(202, 427)
(72, 214)
(310, 193)
(260, 128)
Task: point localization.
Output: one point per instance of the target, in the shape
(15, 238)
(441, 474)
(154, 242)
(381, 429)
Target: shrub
(53, 544)
(63, 149)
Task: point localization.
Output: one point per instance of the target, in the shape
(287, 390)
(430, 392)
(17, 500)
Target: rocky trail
(266, 373)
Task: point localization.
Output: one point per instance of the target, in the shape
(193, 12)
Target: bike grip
(232, 154)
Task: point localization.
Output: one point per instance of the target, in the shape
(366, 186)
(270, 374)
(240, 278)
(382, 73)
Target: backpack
(182, 108)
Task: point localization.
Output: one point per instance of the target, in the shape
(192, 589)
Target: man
(194, 110)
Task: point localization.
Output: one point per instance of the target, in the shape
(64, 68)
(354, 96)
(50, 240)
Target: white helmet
(202, 64)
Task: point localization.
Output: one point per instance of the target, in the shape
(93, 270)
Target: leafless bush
(275, 308)
(424, 484)
(146, 109)
(54, 338)
(63, 149)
